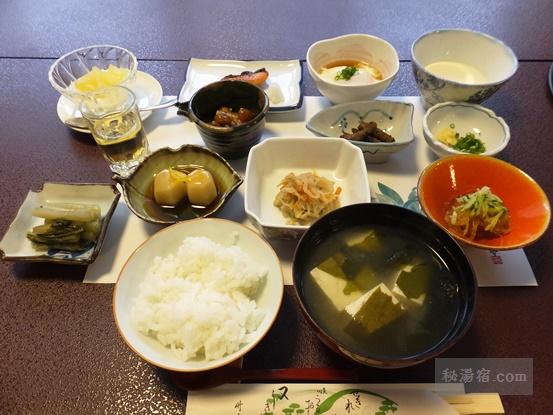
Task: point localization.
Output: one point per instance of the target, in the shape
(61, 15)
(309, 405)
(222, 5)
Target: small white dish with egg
(352, 67)
(444, 124)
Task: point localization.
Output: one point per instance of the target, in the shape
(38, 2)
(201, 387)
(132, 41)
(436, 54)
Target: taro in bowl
(383, 285)
(143, 199)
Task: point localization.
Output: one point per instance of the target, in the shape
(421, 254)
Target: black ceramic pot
(230, 142)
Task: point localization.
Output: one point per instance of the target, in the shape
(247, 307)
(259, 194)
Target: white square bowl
(270, 161)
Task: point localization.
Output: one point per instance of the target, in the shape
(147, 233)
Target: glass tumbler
(115, 124)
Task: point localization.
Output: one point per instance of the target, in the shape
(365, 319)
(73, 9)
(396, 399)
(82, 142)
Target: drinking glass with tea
(115, 124)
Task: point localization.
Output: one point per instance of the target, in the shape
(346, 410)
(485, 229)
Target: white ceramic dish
(270, 161)
(15, 246)
(283, 85)
(472, 66)
(358, 47)
(396, 118)
(147, 89)
(483, 122)
(167, 241)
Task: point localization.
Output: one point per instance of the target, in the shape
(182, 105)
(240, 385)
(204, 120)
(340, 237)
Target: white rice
(199, 302)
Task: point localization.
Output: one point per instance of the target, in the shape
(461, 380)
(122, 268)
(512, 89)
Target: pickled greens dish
(479, 214)
(66, 226)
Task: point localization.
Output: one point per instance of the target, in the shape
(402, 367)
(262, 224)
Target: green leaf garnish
(346, 73)
(470, 144)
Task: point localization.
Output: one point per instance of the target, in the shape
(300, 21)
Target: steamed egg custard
(380, 292)
(457, 72)
(350, 72)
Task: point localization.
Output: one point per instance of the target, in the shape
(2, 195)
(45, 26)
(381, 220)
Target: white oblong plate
(166, 241)
(283, 85)
(147, 89)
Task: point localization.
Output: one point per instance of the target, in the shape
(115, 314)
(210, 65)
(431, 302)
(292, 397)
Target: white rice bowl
(198, 295)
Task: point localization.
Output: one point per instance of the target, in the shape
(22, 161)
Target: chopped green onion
(470, 144)
(346, 73)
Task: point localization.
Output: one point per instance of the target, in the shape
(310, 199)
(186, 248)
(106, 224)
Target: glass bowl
(79, 62)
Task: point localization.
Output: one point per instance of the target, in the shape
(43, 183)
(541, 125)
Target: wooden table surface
(60, 351)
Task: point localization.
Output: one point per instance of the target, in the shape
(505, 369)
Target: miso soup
(381, 292)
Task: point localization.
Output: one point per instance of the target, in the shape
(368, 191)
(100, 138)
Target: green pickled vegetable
(66, 226)
(470, 144)
(479, 210)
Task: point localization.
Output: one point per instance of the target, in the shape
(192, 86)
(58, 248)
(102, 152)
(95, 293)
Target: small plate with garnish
(63, 223)
(484, 202)
(462, 128)
(281, 80)
(378, 127)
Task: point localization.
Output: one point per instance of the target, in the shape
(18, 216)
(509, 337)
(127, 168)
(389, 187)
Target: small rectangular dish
(15, 246)
(283, 86)
(270, 161)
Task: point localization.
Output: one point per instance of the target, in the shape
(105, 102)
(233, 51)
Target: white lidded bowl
(166, 241)
(465, 65)
(483, 122)
(396, 118)
(270, 161)
(359, 47)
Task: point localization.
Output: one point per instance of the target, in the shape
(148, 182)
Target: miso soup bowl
(229, 142)
(413, 223)
(493, 60)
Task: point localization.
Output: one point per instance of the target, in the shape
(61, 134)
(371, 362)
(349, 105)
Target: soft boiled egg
(357, 73)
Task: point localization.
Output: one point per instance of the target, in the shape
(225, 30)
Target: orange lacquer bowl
(445, 179)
